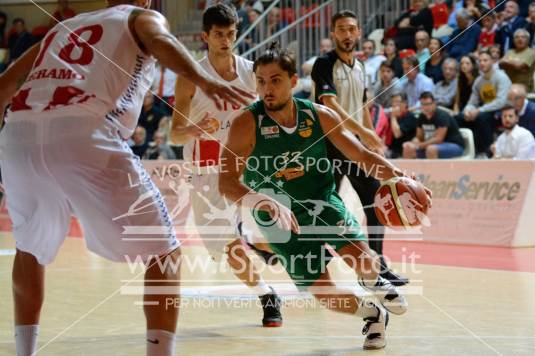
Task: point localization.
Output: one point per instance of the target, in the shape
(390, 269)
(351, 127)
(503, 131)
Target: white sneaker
(375, 330)
(388, 295)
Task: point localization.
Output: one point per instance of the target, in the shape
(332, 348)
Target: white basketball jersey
(205, 151)
(88, 66)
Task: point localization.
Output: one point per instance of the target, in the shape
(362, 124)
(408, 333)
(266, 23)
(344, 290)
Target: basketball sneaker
(387, 294)
(271, 304)
(375, 330)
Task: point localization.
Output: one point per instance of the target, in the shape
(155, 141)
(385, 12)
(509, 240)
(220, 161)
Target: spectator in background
(414, 83)
(519, 63)
(304, 85)
(489, 95)
(488, 32)
(530, 24)
(525, 109)
(465, 38)
(387, 85)
(159, 149)
(402, 125)
(151, 117)
(446, 89)
(19, 41)
(421, 41)
(371, 61)
(378, 117)
(496, 55)
(433, 67)
(254, 36)
(475, 8)
(440, 12)
(138, 141)
(63, 12)
(467, 76)
(511, 22)
(275, 22)
(391, 54)
(437, 133)
(515, 142)
(163, 84)
(418, 17)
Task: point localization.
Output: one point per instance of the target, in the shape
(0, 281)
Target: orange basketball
(401, 203)
(212, 126)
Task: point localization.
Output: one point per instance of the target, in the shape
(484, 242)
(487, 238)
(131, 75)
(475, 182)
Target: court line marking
(474, 335)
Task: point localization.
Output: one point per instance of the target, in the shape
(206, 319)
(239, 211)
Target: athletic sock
(160, 343)
(261, 288)
(26, 339)
(366, 308)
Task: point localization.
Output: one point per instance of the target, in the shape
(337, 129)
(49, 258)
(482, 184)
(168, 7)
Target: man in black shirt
(437, 133)
(340, 83)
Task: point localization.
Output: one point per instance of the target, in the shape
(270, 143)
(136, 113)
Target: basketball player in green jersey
(286, 137)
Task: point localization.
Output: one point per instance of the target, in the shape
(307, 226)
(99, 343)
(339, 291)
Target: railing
(299, 25)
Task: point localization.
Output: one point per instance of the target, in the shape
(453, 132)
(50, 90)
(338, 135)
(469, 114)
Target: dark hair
(387, 64)
(403, 96)
(282, 57)
(17, 20)
(463, 87)
(412, 61)
(218, 15)
(440, 44)
(485, 51)
(342, 15)
(509, 107)
(427, 95)
(370, 41)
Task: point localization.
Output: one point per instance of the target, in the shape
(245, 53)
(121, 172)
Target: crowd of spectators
(477, 78)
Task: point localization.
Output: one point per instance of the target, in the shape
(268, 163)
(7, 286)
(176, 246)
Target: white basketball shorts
(55, 167)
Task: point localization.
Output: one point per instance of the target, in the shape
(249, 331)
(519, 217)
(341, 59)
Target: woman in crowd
(392, 56)
(433, 67)
(467, 76)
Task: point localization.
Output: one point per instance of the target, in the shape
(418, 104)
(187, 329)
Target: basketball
(401, 203)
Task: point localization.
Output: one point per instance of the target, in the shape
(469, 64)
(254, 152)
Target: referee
(340, 85)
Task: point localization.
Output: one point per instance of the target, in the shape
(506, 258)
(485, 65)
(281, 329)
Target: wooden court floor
(91, 308)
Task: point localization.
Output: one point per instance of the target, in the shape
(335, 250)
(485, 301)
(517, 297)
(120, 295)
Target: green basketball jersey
(290, 161)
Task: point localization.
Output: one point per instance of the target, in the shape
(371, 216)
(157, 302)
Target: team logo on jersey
(270, 131)
(305, 128)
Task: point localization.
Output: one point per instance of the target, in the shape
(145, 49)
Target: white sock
(160, 343)
(366, 308)
(261, 288)
(26, 339)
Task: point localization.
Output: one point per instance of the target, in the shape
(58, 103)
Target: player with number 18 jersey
(64, 148)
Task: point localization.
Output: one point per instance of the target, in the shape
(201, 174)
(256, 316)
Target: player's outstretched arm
(13, 77)
(351, 147)
(152, 31)
(239, 146)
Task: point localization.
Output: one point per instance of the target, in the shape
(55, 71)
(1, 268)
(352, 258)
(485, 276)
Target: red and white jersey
(90, 66)
(206, 151)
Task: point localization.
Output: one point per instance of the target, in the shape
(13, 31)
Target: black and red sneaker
(271, 304)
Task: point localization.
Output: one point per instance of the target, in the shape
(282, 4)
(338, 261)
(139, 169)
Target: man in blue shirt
(414, 83)
(467, 42)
